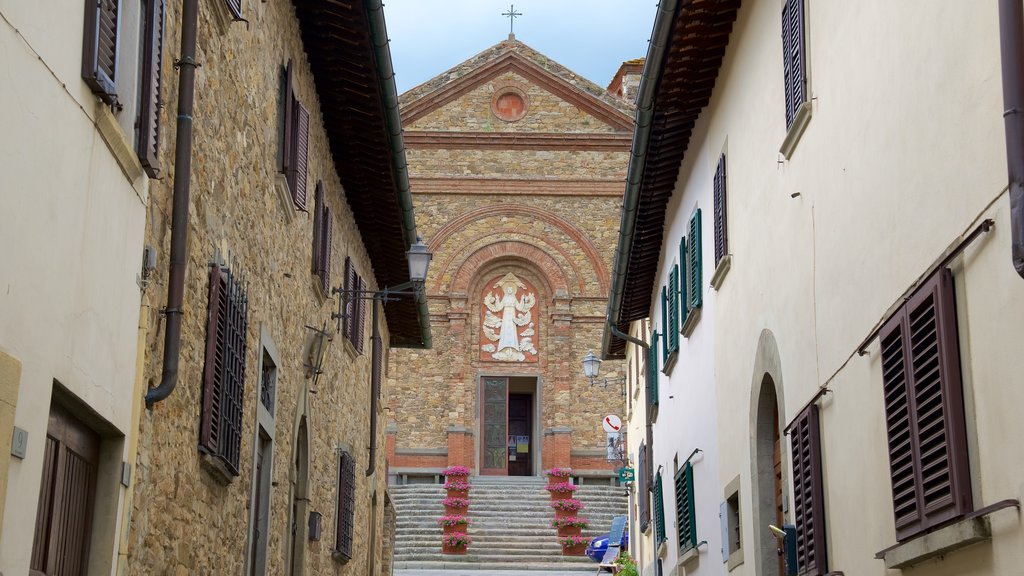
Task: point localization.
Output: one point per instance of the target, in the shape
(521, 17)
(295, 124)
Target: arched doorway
(297, 527)
(768, 478)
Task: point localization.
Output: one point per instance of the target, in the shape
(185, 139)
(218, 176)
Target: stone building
(263, 455)
(517, 167)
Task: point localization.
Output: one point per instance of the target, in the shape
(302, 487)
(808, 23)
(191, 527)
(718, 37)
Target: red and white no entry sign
(611, 423)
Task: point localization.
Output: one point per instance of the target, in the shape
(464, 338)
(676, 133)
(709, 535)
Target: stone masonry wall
(183, 520)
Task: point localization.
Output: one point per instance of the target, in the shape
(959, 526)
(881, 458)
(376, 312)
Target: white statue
(515, 313)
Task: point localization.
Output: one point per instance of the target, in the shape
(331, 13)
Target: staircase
(511, 525)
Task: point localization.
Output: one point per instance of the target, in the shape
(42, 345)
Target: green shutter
(695, 261)
(685, 518)
(673, 326)
(652, 371)
(665, 321)
(684, 303)
(659, 511)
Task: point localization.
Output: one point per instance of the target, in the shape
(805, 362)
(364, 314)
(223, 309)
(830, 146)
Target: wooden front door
(66, 497)
(494, 425)
(520, 420)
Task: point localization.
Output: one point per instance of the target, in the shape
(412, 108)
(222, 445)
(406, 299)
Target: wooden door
(495, 427)
(66, 497)
(520, 420)
(777, 472)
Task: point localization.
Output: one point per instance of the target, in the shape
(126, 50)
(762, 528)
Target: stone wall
(185, 521)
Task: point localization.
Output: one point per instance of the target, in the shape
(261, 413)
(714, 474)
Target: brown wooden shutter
(808, 493)
(360, 316)
(99, 50)
(213, 369)
(643, 489)
(148, 145)
(721, 231)
(301, 151)
(346, 505)
(288, 122)
(348, 326)
(234, 377)
(318, 222)
(325, 251)
(924, 410)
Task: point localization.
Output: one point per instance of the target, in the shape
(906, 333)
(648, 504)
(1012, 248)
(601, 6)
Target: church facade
(516, 166)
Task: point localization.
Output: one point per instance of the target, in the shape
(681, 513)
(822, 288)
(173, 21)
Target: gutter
(648, 409)
(649, 81)
(1011, 44)
(399, 164)
(179, 205)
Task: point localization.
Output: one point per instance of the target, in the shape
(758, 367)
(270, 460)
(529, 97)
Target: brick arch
(505, 209)
(548, 270)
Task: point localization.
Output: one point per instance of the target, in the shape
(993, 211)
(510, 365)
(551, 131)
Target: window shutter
(924, 410)
(99, 52)
(318, 225)
(696, 295)
(360, 315)
(350, 300)
(672, 297)
(213, 369)
(721, 230)
(665, 322)
(652, 373)
(148, 145)
(287, 123)
(346, 505)
(685, 517)
(235, 6)
(325, 251)
(234, 374)
(643, 487)
(684, 302)
(659, 511)
(793, 71)
(301, 153)
(808, 493)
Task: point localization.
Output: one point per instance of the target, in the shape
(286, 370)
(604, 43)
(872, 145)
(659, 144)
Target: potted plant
(457, 489)
(626, 565)
(452, 523)
(455, 506)
(566, 508)
(455, 543)
(573, 545)
(556, 475)
(571, 526)
(561, 490)
(456, 474)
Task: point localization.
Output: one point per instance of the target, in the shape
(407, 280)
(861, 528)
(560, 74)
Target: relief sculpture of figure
(514, 314)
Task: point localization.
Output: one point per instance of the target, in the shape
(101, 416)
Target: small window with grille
(346, 508)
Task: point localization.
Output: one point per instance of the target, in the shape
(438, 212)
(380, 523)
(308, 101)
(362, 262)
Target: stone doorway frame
(536, 432)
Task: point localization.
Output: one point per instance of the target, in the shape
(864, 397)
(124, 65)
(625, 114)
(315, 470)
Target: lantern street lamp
(592, 366)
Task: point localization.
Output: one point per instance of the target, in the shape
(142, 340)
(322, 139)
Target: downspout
(1011, 43)
(179, 205)
(649, 80)
(399, 165)
(648, 409)
(375, 376)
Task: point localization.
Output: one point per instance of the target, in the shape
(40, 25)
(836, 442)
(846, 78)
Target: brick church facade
(516, 166)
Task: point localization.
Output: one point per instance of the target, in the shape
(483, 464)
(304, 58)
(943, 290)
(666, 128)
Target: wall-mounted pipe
(1011, 43)
(648, 408)
(179, 205)
(376, 361)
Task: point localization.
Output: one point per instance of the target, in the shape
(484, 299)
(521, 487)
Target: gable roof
(687, 49)
(515, 56)
(346, 44)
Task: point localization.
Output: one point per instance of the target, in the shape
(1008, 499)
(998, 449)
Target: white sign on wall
(612, 423)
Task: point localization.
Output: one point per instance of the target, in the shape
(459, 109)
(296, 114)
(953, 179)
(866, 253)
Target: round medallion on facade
(509, 103)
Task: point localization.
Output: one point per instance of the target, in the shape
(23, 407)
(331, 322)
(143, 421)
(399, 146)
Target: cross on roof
(511, 15)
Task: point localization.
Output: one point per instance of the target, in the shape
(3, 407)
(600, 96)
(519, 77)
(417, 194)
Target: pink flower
(456, 502)
(456, 539)
(462, 486)
(572, 540)
(560, 472)
(452, 520)
(560, 487)
(568, 504)
(456, 471)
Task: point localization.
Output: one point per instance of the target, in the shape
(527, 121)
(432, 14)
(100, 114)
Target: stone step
(444, 562)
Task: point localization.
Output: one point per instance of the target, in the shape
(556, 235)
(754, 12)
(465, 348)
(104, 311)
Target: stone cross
(511, 14)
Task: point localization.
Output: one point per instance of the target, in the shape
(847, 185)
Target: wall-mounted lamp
(317, 341)
(591, 367)
(315, 526)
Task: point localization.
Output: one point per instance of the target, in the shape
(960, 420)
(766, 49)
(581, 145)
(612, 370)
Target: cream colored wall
(71, 222)
(903, 154)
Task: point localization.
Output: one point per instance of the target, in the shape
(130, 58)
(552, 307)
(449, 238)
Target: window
(721, 231)
(643, 489)
(808, 494)
(346, 507)
(66, 497)
(729, 516)
(686, 520)
(793, 60)
(220, 430)
(355, 306)
(295, 136)
(322, 226)
(695, 262)
(123, 66)
(924, 410)
(659, 511)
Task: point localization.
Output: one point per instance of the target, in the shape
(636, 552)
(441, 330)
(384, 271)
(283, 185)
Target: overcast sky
(591, 38)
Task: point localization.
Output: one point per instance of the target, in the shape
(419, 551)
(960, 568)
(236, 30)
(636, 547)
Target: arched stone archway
(769, 474)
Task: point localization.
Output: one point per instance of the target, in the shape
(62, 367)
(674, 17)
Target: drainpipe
(376, 350)
(648, 425)
(1011, 42)
(179, 211)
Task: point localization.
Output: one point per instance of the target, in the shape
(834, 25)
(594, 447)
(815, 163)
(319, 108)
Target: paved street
(464, 572)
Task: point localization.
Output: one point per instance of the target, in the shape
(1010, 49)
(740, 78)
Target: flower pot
(445, 549)
(576, 550)
(570, 531)
(561, 495)
(565, 513)
(450, 511)
(457, 478)
(556, 479)
(453, 528)
(458, 493)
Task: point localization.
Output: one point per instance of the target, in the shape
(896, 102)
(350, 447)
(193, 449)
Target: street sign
(611, 423)
(627, 475)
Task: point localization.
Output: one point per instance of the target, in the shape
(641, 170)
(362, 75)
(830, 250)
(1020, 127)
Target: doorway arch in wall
(769, 475)
(298, 477)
